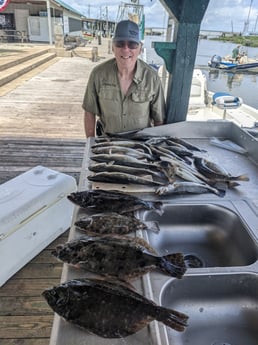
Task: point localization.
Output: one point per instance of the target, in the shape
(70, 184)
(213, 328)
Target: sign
(3, 4)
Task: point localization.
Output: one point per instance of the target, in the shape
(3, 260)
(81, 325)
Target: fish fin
(144, 245)
(110, 163)
(192, 261)
(158, 207)
(233, 184)
(120, 282)
(174, 265)
(221, 188)
(221, 193)
(172, 318)
(82, 223)
(152, 226)
(243, 178)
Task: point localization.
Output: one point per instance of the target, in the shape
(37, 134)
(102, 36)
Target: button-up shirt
(143, 104)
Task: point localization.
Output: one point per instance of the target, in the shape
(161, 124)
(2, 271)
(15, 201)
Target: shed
(37, 19)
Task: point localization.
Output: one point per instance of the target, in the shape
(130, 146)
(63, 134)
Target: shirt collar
(138, 73)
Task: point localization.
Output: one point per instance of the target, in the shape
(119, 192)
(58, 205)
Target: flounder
(108, 309)
(113, 223)
(111, 201)
(118, 256)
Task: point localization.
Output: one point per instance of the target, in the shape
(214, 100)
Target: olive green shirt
(143, 105)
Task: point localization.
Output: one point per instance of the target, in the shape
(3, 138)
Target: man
(124, 92)
(235, 53)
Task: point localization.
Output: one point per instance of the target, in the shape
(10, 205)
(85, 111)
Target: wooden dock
(41, 123)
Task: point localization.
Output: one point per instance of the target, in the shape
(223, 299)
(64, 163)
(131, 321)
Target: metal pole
(107, 35)
(168, 39)
(49, 22)
(255, 24)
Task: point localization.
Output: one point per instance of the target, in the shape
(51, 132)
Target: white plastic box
(34, 211)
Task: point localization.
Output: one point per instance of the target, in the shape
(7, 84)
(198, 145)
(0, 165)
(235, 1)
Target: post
(109, 47)
(49, 22)
(99, 37)
(94, 54)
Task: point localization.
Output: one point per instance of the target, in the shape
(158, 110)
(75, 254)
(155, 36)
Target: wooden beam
(179, 84)
(188, 15)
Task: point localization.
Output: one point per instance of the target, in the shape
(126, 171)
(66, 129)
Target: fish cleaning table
(151, 285)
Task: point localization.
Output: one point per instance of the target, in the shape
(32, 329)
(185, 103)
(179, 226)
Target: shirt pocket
(141, 96)
(109, 94)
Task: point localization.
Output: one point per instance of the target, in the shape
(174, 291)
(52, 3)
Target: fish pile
(170, 165)
(108, 306)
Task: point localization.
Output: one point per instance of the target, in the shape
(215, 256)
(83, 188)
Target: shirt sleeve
(90, 100)
(158, 107)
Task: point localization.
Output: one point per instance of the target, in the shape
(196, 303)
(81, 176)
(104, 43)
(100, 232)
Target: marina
(29, 139)
(41, 123)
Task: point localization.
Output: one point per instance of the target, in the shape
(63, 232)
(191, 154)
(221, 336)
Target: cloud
(226, 15)
(220, 15)
(155, 14)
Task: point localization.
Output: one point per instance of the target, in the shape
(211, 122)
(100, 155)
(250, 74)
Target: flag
(3, 4)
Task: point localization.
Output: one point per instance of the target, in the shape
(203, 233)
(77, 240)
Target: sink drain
(220, 343)
(193, 261)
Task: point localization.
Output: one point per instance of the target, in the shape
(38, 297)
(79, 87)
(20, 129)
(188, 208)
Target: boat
(133, 11)
(244, 64)
(205, 105)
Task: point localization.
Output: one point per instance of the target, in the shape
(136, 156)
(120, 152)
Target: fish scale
(118, 256)
(109, 309)
(112, 201)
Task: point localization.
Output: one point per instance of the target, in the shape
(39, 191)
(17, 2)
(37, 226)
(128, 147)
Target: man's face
(126, 53)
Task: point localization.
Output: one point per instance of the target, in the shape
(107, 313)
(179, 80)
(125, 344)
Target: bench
(21, 36)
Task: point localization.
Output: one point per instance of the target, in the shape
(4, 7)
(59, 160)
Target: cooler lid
(29, 194)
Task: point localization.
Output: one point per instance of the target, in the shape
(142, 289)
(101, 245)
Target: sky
(222, 15)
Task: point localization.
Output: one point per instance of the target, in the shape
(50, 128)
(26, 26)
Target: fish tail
(172, 318)
(174, 265)
(233, 184)
(157, 206)
(221, 192)
(192, 261)
(242, 178)
(152, 226)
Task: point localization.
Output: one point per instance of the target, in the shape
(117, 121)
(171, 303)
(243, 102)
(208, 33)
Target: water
(244, 85)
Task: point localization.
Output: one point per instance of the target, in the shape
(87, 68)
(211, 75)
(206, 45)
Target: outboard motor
(215, 61)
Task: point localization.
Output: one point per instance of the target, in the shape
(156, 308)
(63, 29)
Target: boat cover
(224, 100)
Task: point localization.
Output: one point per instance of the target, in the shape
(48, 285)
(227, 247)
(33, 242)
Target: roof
(68, 7)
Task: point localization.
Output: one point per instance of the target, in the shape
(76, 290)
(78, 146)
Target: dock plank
(41, 123)
(25, 341)
(25, 326)
(18, 156)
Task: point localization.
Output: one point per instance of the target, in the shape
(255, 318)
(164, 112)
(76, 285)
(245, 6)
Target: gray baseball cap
(127, 30)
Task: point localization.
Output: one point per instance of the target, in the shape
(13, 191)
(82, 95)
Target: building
(39, 20)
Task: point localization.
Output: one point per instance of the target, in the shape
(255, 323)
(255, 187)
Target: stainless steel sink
(222, 308)
(212, 233)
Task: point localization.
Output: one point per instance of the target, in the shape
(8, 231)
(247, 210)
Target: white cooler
(34, 211)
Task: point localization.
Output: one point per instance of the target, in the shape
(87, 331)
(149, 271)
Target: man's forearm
(89, 124)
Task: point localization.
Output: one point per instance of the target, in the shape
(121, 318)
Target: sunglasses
(129, 44)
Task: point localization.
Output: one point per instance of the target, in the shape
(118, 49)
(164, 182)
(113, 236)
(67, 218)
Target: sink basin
(222, 308)
(214, 234)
